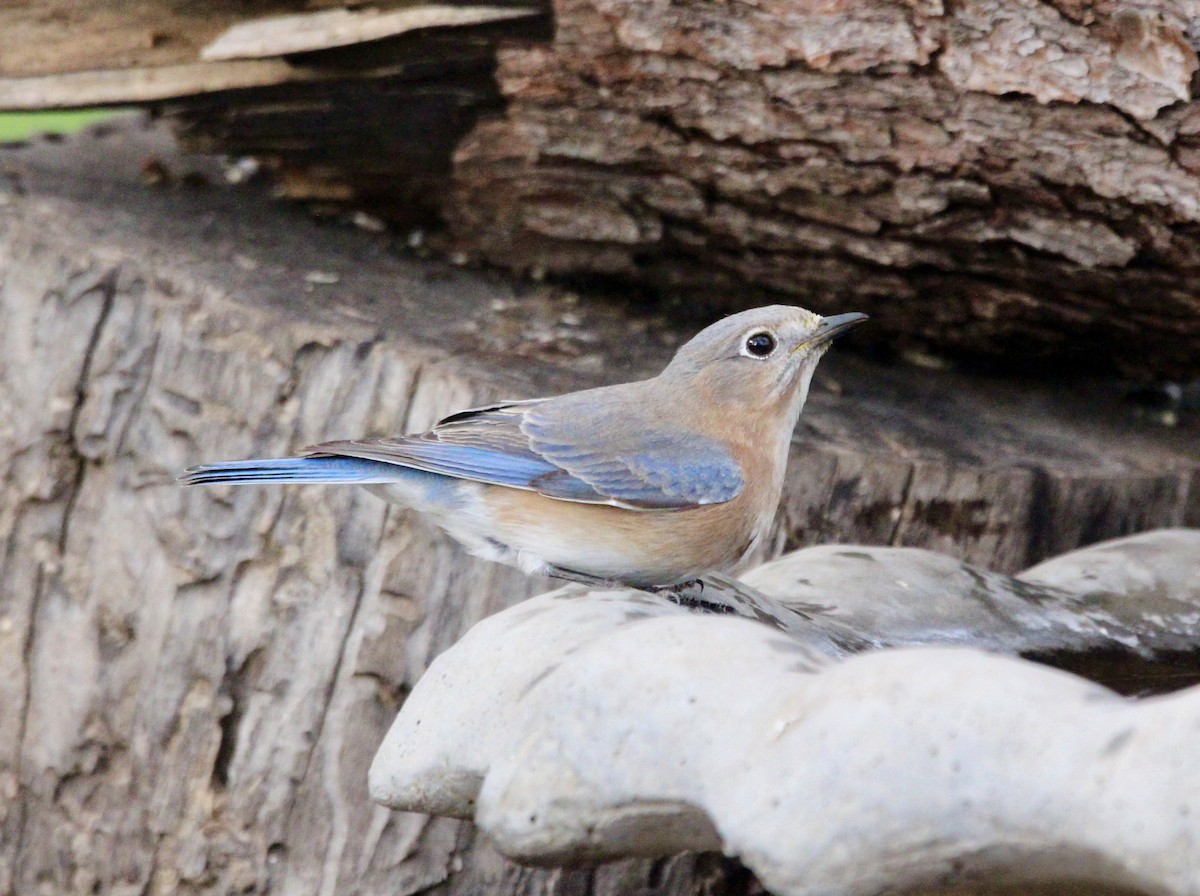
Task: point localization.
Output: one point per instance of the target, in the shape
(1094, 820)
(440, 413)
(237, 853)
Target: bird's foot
(690, 594)
(685, 594)
(677, 589)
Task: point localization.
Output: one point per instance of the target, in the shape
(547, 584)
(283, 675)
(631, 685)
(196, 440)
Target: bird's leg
(677, 589)
(685, 594)
(688, 594)
(570, 575)
(677, 594)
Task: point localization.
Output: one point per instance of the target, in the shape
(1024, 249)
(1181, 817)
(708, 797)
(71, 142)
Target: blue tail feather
(331, 470)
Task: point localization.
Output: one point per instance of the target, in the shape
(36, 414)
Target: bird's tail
(319, 469)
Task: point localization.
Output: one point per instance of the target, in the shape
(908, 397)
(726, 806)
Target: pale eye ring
(760, 344)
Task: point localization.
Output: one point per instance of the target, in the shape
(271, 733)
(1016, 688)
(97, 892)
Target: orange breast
(639, 547)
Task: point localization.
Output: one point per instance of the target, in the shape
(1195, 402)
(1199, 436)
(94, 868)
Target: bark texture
(1009, 183)
(994, 181)
(193, 683)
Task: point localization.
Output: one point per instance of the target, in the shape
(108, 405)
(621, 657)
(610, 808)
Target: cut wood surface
(193, 683)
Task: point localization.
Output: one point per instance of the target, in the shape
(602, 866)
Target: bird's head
(761, 356)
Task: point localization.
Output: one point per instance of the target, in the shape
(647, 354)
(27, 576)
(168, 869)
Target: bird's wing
(571, 457)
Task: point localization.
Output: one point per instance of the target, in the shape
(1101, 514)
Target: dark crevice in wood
(376, 132)
(106, 288)
(234, 687)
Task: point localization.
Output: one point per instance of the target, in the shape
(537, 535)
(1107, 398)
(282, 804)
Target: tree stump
(194, 682)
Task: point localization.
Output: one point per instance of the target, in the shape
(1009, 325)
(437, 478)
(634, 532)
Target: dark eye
(760, 344)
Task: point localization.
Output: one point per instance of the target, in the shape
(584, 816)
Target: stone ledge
(582, 727)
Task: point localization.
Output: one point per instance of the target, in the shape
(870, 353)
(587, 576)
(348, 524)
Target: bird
(649, 484)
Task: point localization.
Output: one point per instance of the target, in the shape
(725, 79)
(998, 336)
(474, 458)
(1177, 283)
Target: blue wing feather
(653, 470)
(537, 445)
(330, 470)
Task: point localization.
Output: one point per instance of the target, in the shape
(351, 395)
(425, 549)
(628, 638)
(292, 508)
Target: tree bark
(1011, 183)
(192, 683)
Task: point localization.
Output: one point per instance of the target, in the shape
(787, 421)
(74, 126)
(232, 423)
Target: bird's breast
(660, 547)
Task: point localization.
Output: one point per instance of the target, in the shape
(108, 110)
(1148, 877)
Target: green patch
(22, 125)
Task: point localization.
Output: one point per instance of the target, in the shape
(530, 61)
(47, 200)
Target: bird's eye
(760, 344)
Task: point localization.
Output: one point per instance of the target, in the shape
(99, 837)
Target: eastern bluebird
(651, 484)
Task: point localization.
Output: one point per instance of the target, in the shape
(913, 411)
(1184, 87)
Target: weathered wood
(308, 32)
(991, 181)
(192, 684)
(385, 92)
(257, 53)
(58, 36)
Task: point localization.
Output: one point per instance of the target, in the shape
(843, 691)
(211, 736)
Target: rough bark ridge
(985, 178)
(192, 683)
(991, 180)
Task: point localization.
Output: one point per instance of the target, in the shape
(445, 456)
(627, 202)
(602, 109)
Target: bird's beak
(830, 327)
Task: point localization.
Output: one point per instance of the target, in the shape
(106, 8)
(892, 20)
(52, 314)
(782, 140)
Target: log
(350, 106)
(192, 684)
(111, 36)
(999, 185)
(995, 183)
